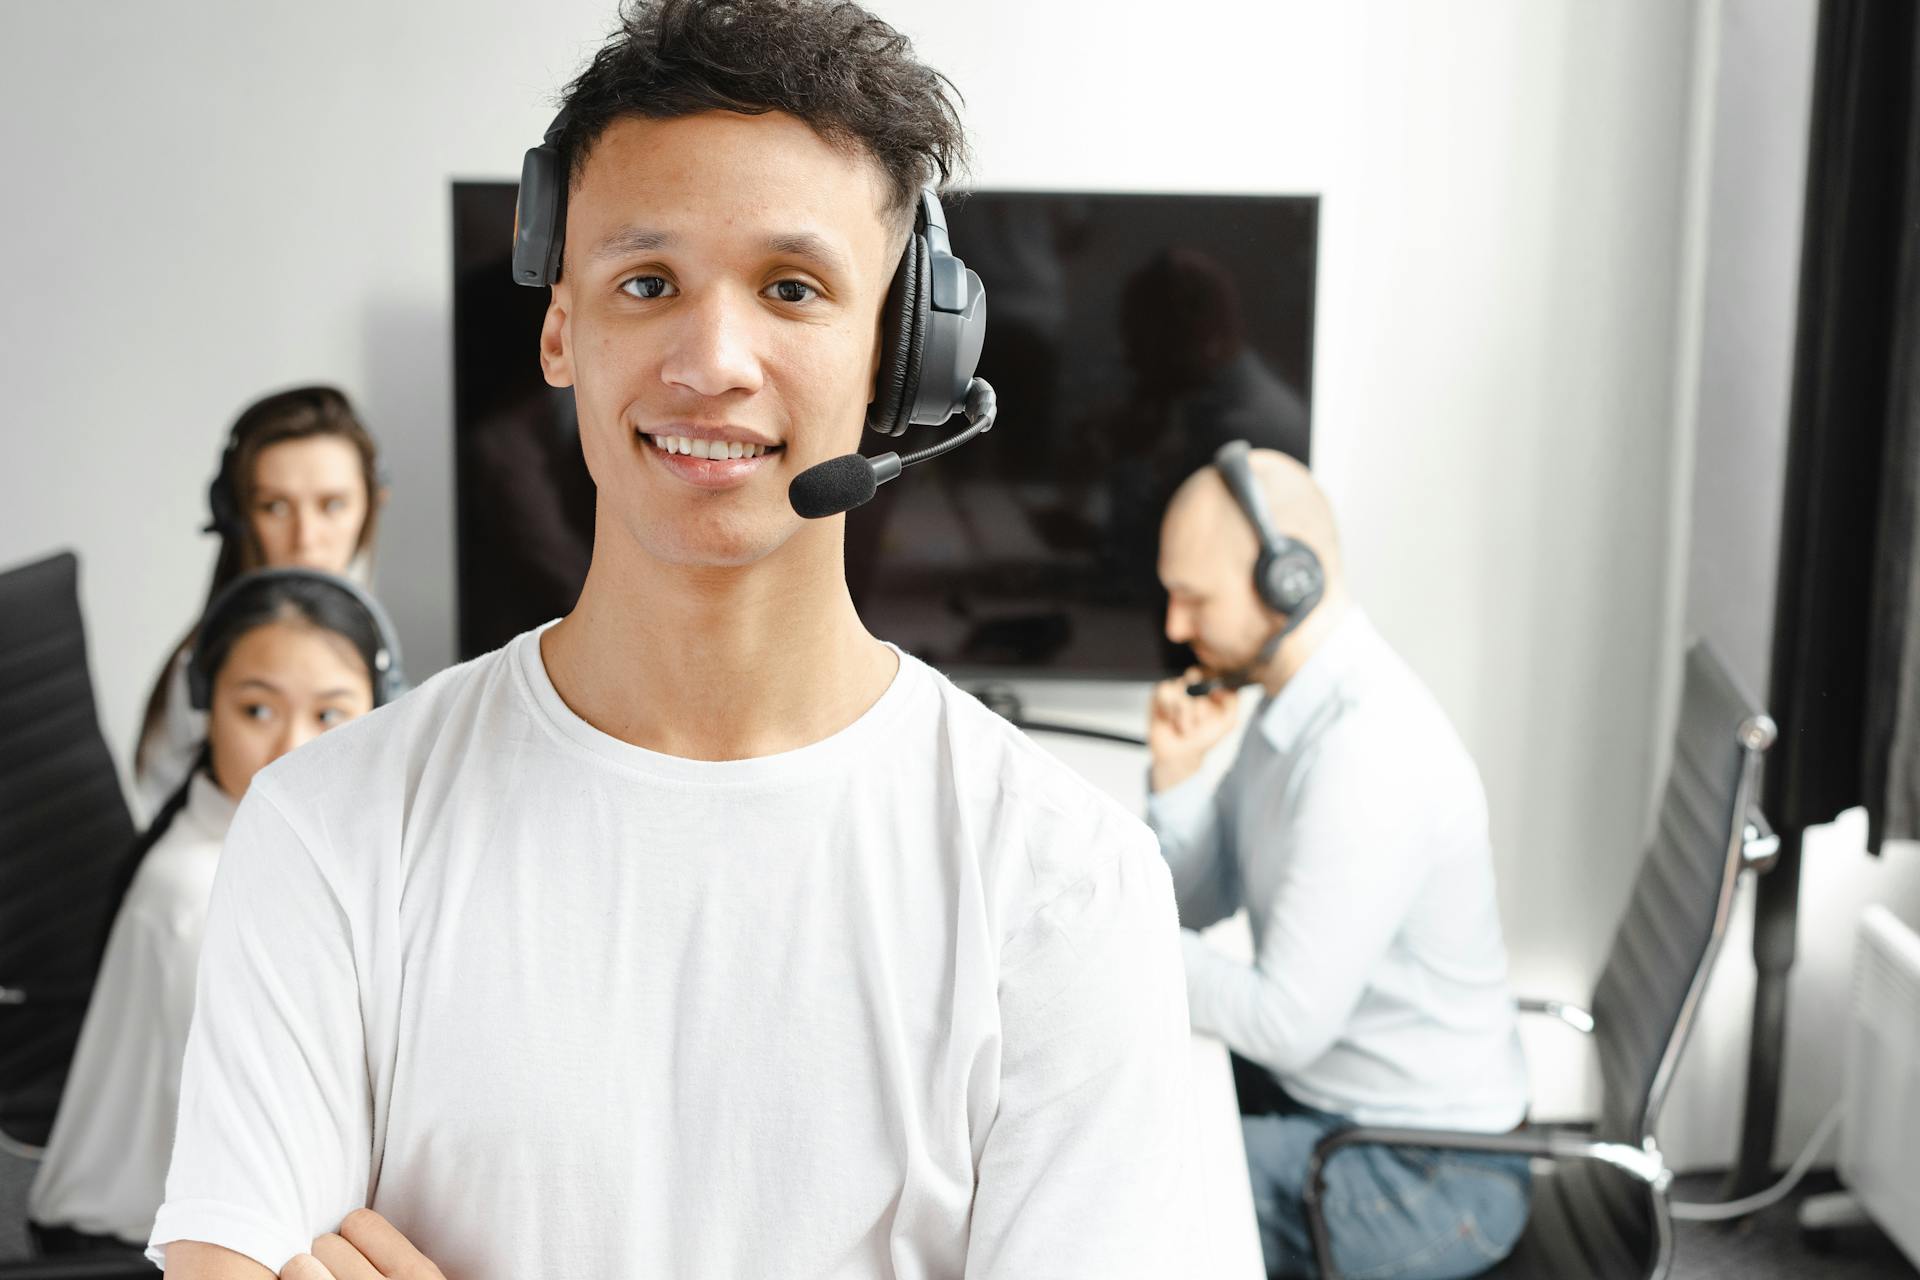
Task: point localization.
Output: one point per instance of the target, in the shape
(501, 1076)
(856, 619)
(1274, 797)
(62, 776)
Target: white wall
(252, 195)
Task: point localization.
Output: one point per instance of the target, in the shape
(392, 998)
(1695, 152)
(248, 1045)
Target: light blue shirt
(1352, 827)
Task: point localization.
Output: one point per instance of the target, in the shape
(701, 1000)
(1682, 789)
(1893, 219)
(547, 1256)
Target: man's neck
(717, 663)
(1304, 642)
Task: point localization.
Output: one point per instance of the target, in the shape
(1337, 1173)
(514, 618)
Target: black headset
(930, 333)
(223, 503)
(389, 681)
(1288, 576)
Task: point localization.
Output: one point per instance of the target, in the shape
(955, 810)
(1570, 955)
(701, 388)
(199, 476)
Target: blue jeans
(1405, 1213)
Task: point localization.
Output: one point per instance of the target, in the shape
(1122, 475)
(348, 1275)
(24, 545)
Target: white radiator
(1880, 1127)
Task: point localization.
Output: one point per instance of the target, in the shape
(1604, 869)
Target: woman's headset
(930, 333)
(388, 680)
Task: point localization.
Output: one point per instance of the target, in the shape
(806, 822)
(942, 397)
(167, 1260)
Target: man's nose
(711, 351)
(1178, 630)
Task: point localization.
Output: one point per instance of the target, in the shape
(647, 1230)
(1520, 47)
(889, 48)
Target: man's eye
(793, 290)
(645, 287)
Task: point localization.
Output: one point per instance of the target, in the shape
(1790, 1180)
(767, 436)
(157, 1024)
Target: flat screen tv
(1128, 336)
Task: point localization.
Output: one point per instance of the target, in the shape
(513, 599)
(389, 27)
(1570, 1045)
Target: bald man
(1352, 828)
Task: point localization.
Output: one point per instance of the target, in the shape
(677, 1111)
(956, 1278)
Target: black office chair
(64, 826)
(1600, 1212)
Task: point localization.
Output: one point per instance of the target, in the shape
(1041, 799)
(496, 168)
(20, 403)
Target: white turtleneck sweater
(105, 1167)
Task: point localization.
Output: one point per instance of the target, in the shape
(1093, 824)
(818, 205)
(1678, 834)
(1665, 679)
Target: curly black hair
(846, 73)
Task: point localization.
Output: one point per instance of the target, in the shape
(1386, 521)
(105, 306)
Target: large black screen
(1128, 337)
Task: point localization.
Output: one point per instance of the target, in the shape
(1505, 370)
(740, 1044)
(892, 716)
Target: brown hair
(830, 63)
(298, 413)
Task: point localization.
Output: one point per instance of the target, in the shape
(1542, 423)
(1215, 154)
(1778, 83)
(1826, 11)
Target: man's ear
(556, 359)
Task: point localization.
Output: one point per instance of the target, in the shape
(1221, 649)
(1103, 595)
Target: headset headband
(1236, 467)
(1287, 576)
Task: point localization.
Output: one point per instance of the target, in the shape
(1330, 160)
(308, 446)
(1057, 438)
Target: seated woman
(299, 484)
(281, 656)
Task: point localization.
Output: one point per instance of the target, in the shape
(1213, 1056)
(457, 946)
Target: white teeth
(707, 448)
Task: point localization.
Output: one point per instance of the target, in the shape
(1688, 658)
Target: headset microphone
(850, 480)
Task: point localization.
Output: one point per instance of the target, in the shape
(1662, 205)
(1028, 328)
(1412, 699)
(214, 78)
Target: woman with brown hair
(298, 486)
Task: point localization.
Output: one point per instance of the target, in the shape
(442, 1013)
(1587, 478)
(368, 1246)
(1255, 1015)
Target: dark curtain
(1846, 673)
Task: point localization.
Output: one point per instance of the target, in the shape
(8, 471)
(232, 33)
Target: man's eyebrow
(807, 244)
(629, 240)
(799, 244)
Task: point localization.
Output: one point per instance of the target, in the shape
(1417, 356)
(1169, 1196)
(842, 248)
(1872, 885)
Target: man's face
(1206, 565)
(722, 283)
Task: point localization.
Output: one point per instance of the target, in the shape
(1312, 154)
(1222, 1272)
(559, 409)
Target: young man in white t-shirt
(699, 933)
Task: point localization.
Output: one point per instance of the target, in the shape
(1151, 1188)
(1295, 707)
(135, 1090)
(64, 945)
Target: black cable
(1004, 702)
(1079, 731)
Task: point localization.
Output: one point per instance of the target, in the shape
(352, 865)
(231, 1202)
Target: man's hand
(367, 1247)
(1182, 729)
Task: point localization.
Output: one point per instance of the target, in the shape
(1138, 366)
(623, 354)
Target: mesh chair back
(64, 826)
(1644, 1001)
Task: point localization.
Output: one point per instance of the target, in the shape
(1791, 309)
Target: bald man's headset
(1287, 577)
(930, 334)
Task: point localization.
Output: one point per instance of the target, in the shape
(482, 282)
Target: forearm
(1278, 1023)
(193, 1260)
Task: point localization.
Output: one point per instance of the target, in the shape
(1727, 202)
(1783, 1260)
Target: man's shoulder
(987, 750)
(381, 754)
(1056, 825)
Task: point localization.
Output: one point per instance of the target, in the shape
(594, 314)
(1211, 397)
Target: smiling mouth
(718, 450)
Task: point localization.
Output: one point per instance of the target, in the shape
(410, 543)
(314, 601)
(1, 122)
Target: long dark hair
(313, 600)
(296, 414)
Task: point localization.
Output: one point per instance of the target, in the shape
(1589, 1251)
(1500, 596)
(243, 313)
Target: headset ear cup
(899, 346)
(223, 511)
(199, 688)
(1290, 581)
(916, 331)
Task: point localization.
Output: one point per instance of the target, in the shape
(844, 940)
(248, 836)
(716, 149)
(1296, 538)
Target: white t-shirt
(904, 1002)
(105, 1166)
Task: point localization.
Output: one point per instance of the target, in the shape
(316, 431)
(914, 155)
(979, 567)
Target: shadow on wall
(408, 402)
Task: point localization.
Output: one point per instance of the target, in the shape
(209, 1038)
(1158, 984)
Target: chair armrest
(1553, 1144)
(1759, 846)
(1571, 1014)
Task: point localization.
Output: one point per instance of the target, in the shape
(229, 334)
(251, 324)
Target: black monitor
(1128, 337)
